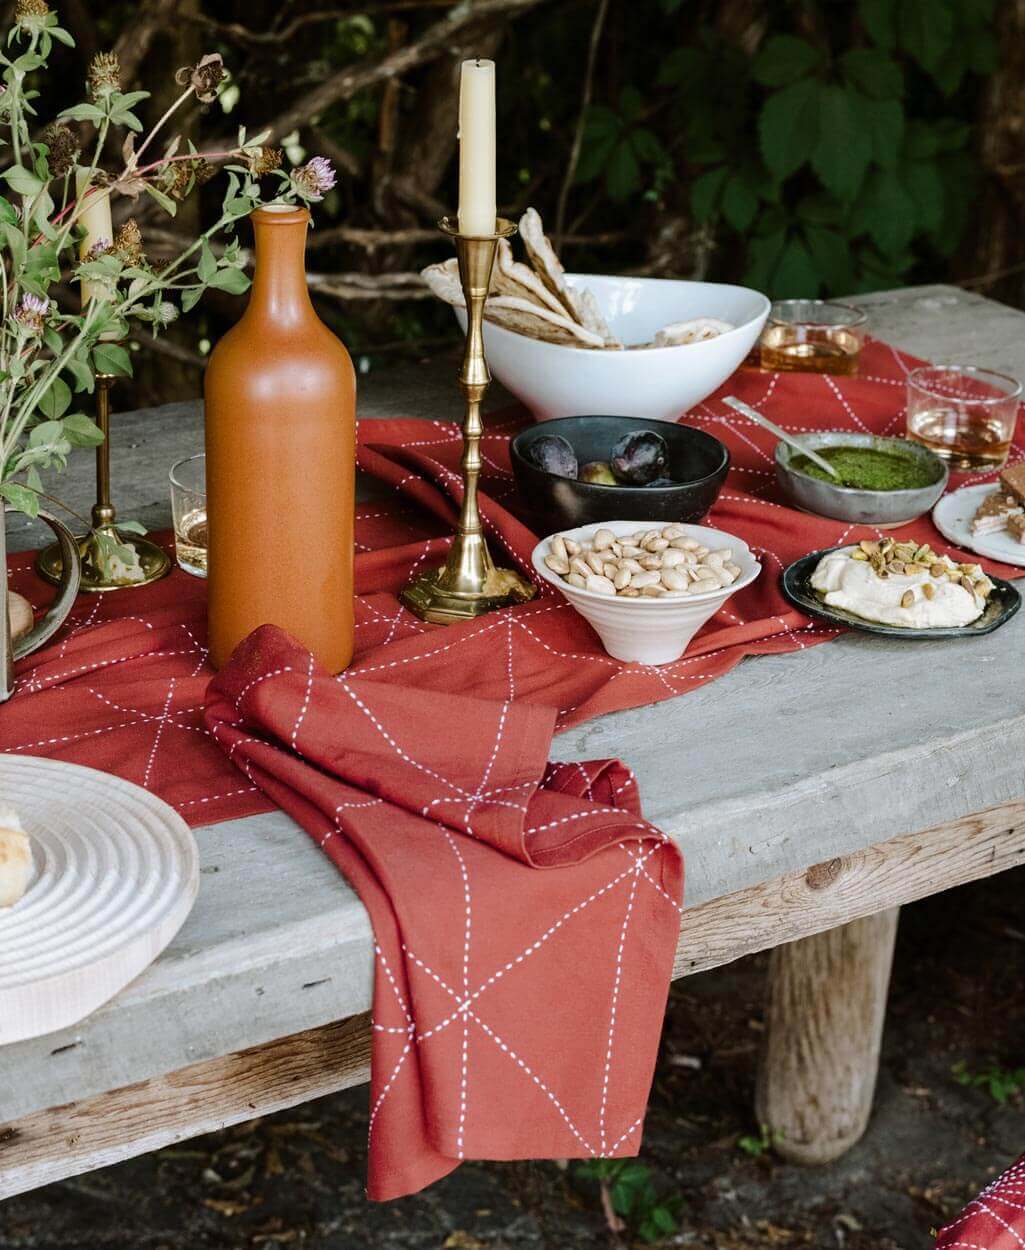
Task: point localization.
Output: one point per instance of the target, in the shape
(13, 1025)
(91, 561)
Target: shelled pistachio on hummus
(651, 563)
(903, 584)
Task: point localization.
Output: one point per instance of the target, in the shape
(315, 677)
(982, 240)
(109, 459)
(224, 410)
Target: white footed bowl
(658, 383)
(648, 631)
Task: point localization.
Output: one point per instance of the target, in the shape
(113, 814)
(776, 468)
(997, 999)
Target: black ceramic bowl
(698, 464)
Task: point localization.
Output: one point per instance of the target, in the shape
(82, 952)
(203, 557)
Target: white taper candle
(477, 211)
(95, 218)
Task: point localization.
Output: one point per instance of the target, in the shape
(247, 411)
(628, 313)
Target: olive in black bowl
(696, 469)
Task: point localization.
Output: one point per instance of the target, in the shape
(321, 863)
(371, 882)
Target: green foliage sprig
(630, 1199)
(49, 353)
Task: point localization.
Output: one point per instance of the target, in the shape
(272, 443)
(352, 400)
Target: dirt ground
(295, 1179)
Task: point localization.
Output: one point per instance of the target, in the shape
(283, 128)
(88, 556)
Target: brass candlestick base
(153, 560)
(468, 584)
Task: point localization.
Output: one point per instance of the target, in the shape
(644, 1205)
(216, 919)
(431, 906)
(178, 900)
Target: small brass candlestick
(154, 561)
(468, 584)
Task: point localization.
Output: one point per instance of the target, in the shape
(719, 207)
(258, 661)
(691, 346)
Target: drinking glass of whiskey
(812, 336)
(188, 507)
(964, 414)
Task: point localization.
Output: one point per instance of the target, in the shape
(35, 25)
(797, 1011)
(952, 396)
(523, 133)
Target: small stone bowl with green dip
(883, 481)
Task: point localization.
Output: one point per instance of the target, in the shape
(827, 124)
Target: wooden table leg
(826, 1006)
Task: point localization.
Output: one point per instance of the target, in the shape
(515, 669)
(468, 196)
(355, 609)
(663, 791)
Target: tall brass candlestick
(468, 584)
(153, 560)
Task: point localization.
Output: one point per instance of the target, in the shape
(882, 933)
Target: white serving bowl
(659, 383)
(649, 631)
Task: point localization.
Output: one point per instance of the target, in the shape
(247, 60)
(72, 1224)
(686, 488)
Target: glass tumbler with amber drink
(812, 336)
(188, 507)
(964, 414)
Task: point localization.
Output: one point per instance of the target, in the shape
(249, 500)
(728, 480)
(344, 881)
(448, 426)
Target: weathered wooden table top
(786, 762)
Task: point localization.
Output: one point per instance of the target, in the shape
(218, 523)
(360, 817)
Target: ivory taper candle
(95, 218)
(477, 211)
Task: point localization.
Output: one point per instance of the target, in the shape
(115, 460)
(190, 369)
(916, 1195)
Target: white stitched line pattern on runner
(430, 772)
(256, 681)
(387, 1086)
(160, 730)
(612, 1010)
(305, 704)
(508, 1050)
(642, 871)
(525, 954)
(463, 1075)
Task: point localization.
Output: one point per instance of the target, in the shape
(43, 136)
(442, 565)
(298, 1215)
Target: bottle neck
(280, 293)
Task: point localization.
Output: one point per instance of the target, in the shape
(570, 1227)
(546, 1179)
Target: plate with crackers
(989, 518)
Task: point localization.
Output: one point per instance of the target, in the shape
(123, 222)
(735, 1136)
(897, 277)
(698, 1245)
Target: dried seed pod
(600, 585)
(907, 599)
(859, 555)
(895, 566)
(929, 590)
(869, 547)
(557, 565)
(937, 569)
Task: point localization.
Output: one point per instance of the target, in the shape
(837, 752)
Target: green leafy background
(806, 147)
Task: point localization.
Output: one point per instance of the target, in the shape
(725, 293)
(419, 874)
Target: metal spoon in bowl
(739, 406)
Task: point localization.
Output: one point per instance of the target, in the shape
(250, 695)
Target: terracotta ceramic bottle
(280, 447)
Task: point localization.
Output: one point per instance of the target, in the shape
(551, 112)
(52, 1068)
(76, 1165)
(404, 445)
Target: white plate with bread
(96, 876)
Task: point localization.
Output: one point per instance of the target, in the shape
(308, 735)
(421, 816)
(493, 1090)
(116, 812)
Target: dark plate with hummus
(1001, 604)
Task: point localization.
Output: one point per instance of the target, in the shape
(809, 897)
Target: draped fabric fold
(994, 1220)
(525, 915)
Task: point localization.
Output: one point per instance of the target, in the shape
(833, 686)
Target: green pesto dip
(866, 468)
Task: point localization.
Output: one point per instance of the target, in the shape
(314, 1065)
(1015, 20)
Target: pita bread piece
(512, 312)
(697, 330)
(19, 613)
(15, 857)
(578, 303)
(512, 277)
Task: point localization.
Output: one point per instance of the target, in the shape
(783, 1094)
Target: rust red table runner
(122, 687)
(994, 1220)
(516, 1011)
